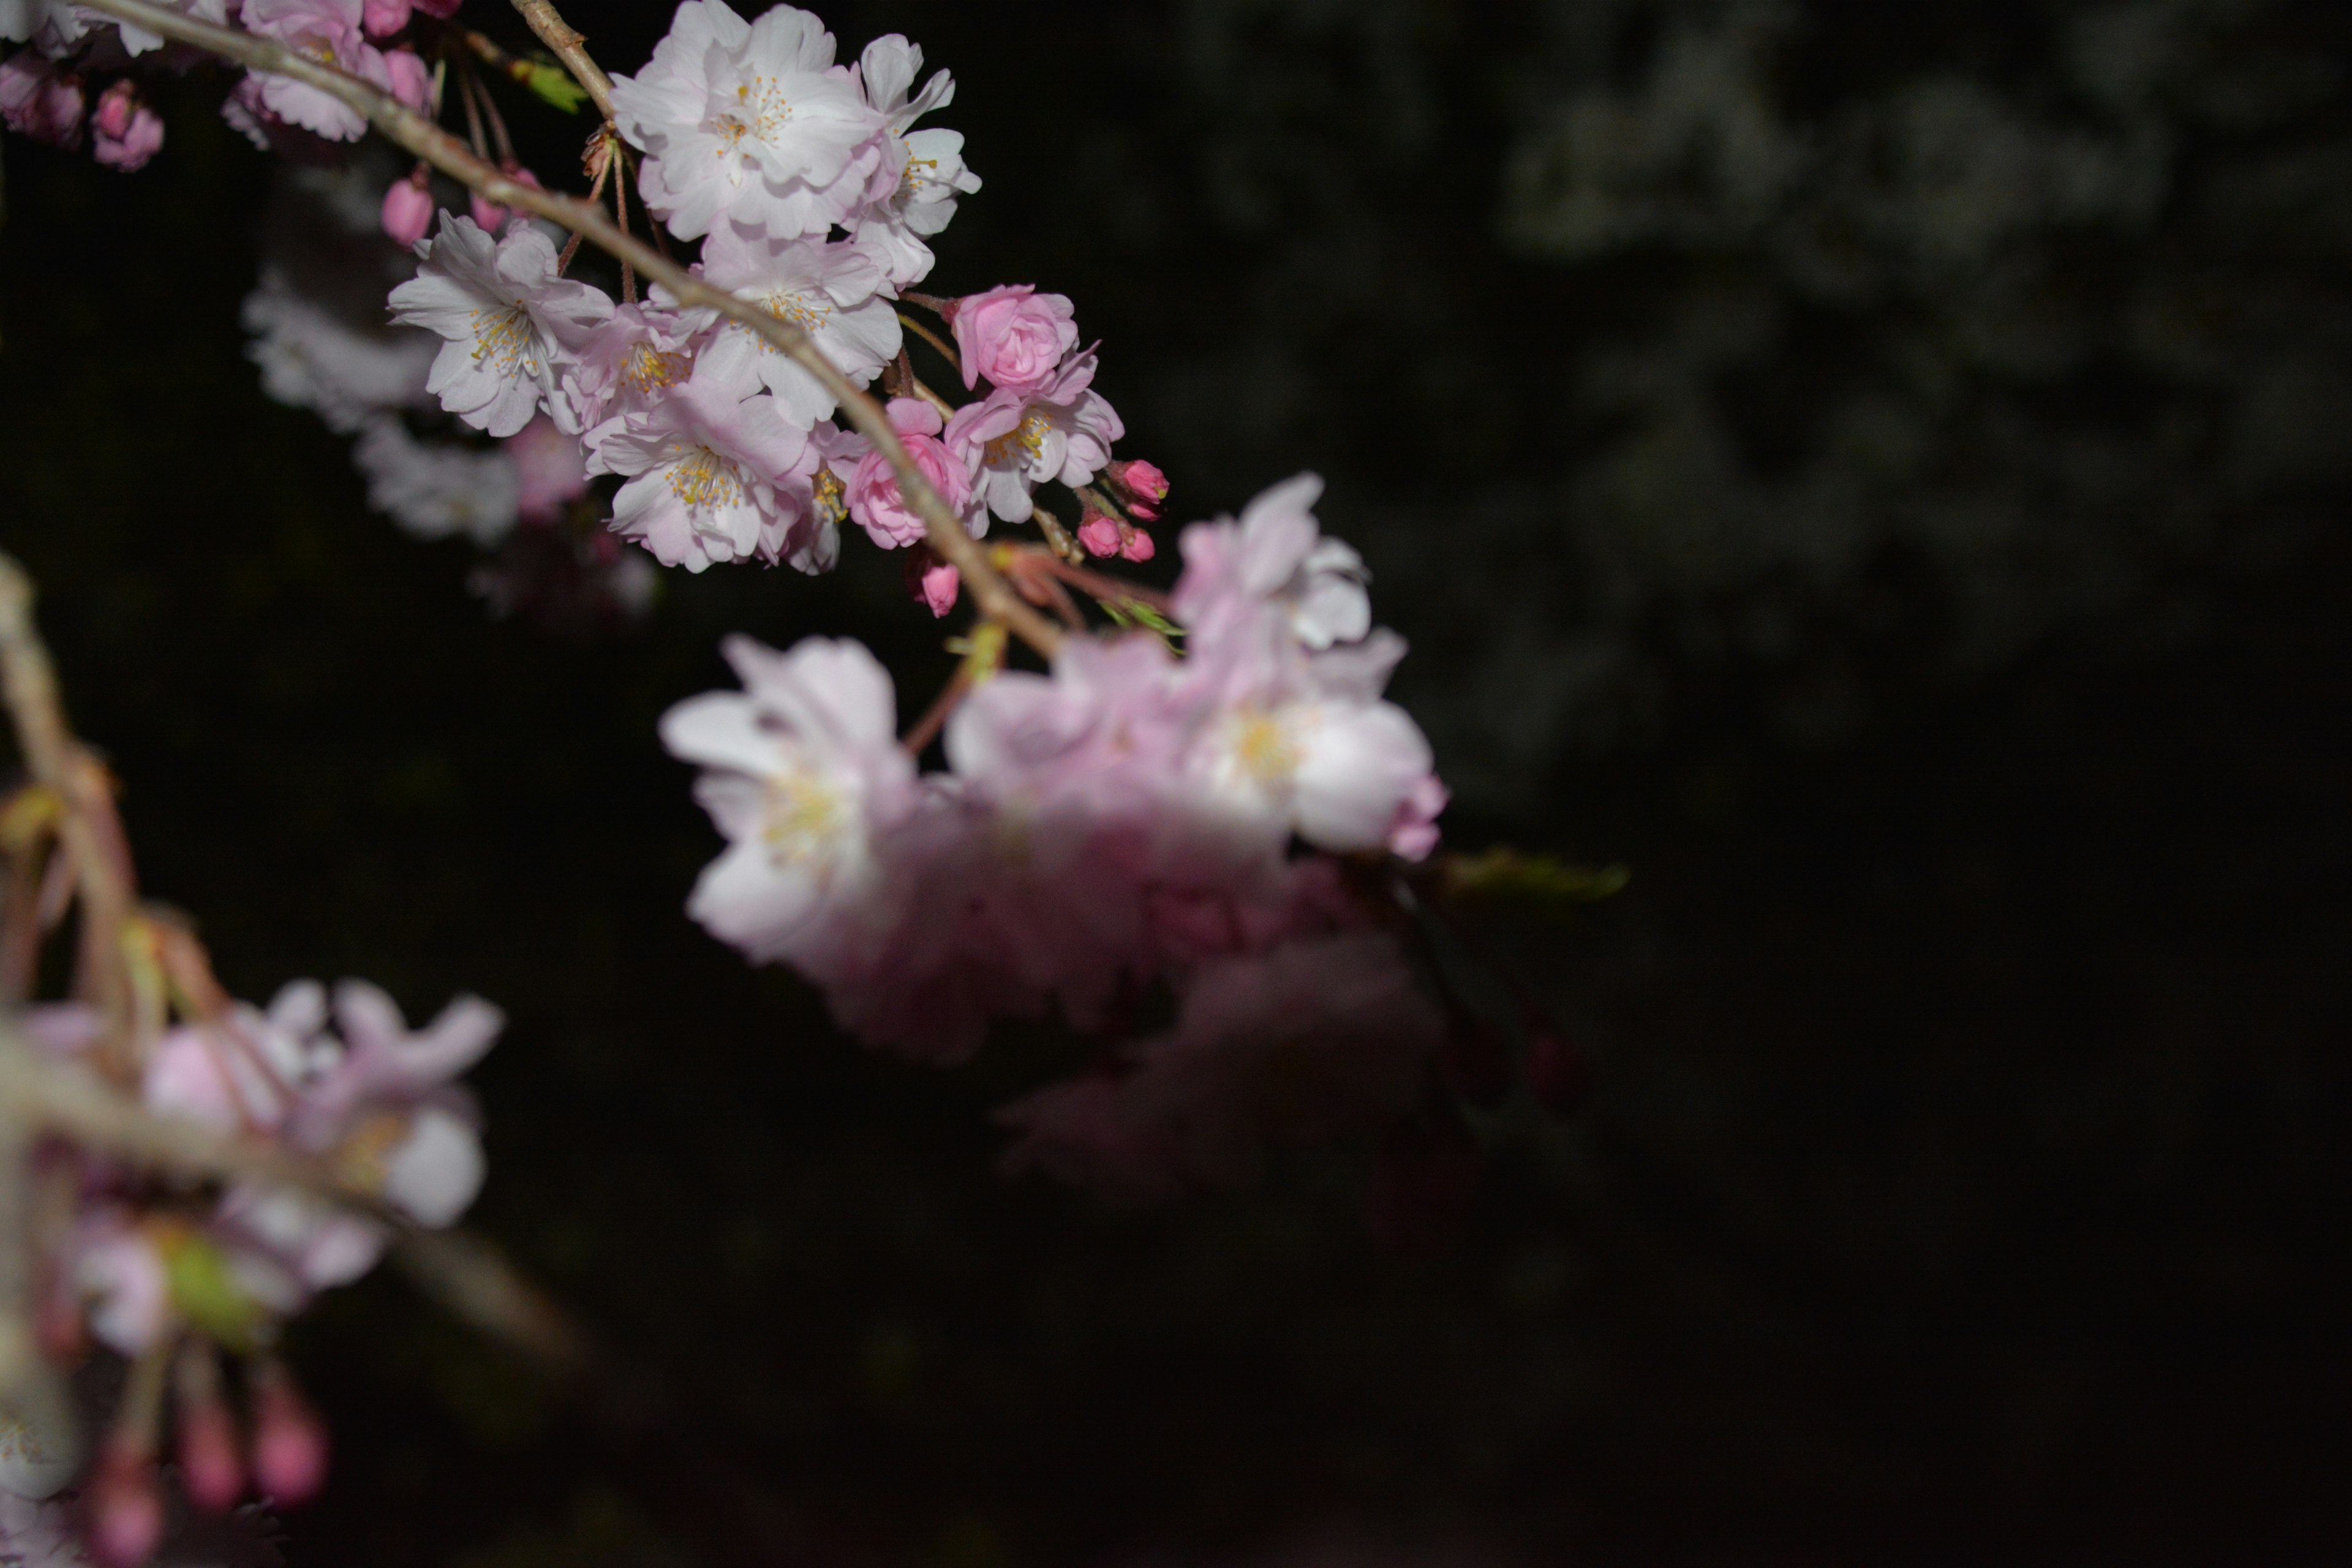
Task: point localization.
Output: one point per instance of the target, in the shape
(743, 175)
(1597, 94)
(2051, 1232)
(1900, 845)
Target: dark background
(1879, 471)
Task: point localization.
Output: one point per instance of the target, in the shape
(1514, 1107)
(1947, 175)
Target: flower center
(506, 340)
(1266, 749)
(704, 479)
(829, 492)
(1027, 437)
(649, 370)
(803, 817)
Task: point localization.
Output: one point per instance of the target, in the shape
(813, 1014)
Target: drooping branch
(996, 598)
(87, 824)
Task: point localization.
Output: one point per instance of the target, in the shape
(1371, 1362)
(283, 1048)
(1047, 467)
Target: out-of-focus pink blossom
(1014, 337)
(212, 1458)
(1292, 1046)
(40, 99)
(408, 209)
(550, 471)
(874, 497)
(804, 775)
(125, 131)
(383, 18)
(749, 123)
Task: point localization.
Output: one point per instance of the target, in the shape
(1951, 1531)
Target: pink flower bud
(1135, 544)
(492, 216)
(1558, 1075)
(1144, 485)
(126, 1508)
(408, 209)
(940, 584)
(1013, 336)
(1099, 534)
(212, 1466)
(39, 99)
(383, 18)
(290, 1442)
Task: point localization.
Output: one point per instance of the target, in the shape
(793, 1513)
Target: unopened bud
(289, 1441)
(212, 1462)
(126, 1507)
(488, 213)
(1135, 544)
(1559, 1074)
(1145, 486)
(383, 18)
(1099, 534)
(932, 581)
(408, 209)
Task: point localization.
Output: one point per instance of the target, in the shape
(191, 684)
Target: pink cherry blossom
(1293, 1046)
(1099, 534)
(749, 123)
(383, 18)
(40, 99)
(874, 496)
(125, 131)
(1014, 337)
(830, 291)
(333, 32)
(628, 366)
(711, 476)
(921, 173)
(510, 320)
(1143, 485)
(550, 471)
(1014, 441)
(804, 773)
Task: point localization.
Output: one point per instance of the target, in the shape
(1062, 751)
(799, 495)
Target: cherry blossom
(333, 32)
(713, 476)
(1014, 441)
(874, 497)
(509, 319)
(805, 774)
(918, 180)
(435, 488)
(749, 122)
(125, 131)
(41, 99)
(830, 291)
(628, 366)
(1013, 337)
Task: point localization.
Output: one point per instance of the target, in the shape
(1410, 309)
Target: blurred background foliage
(1878, 470)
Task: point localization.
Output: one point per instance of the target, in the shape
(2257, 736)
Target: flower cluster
(1121, 821)
(156, 1274)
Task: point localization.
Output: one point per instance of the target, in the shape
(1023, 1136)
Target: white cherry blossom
(832, 291)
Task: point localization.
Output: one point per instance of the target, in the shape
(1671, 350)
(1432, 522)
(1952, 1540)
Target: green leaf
(206, 1291)
(1505, 874)
(554, 84)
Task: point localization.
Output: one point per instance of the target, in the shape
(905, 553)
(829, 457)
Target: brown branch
(994, 595)
(91, 832)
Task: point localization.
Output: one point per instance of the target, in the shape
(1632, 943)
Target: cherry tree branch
(88, 825)
(996, 598)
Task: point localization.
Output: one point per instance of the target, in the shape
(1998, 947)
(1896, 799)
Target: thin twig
(88, 825)
(933, 338)
(995, 598)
